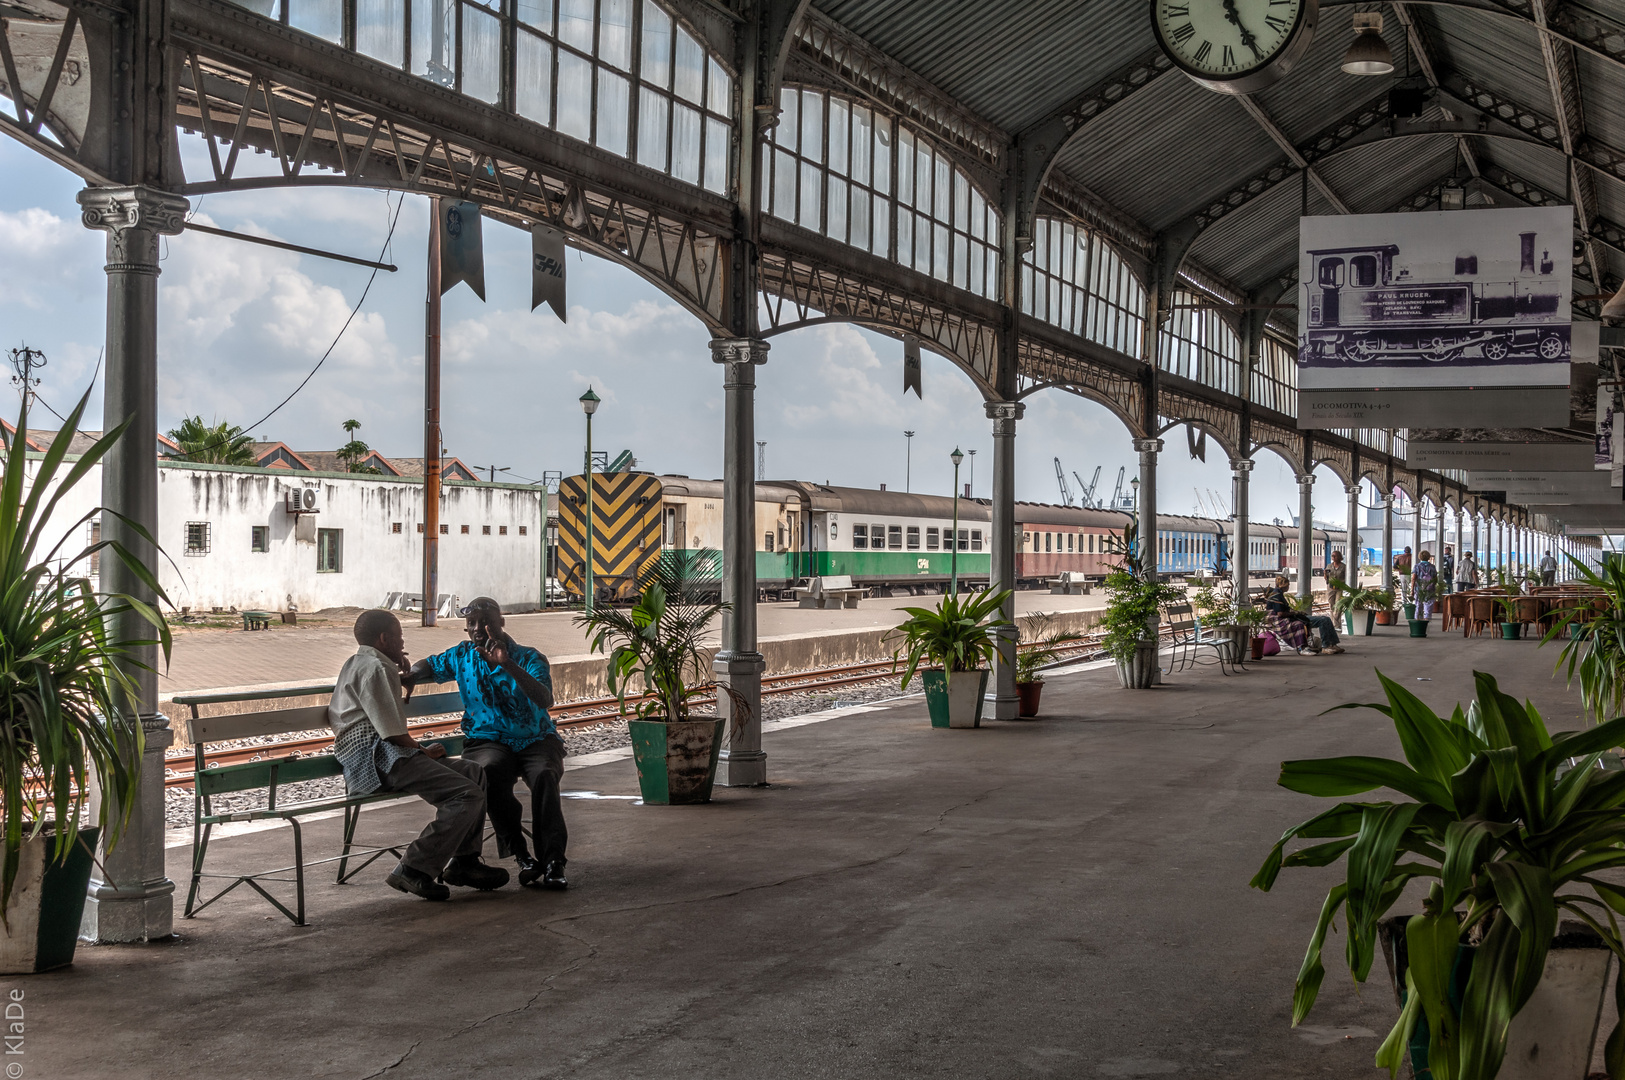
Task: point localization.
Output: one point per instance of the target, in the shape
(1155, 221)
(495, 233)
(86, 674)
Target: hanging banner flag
(1197, 440)
(462, 255)
(547, 269)
(1455, 318)
(911, 365)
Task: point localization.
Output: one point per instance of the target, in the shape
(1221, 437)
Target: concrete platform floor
(207, 658)
(1066, 897)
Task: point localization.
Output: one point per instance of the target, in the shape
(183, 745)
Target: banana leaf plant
(68, 695)
(1511, 823)
(657, 640)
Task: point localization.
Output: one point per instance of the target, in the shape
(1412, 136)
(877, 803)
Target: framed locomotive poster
(1457, 318)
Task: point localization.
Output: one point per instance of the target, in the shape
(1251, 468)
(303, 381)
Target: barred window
(1073, 278)
(1198, 344)
(197, 538)
(838, 168)
(623, 75)
(1275, 378)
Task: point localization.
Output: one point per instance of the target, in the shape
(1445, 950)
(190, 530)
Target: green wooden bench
(273, 773)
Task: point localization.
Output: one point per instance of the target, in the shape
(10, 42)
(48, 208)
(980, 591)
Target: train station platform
(209, 658)
(1064, 897)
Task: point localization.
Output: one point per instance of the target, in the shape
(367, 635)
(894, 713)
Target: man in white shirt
(1548, 570)
(377, 754)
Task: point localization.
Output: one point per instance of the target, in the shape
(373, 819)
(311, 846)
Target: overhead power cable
(336, 338)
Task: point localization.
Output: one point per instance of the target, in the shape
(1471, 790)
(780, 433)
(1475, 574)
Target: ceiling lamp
(1369, 55)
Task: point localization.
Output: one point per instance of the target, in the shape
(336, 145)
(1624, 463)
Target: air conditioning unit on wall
(302, 501)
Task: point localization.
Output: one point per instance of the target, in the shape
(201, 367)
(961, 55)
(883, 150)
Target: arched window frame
(626, 76)
(848, 171)
(1199, 344)
(1275, 379)
(1075, 278)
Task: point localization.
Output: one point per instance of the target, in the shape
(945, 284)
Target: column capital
(1148, 446)
(1242, 464)
(1351, 490)
(1004, 410)
(1307, 480)
(738, 351)
(133, 218)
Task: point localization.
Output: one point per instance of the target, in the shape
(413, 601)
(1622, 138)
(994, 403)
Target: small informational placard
(1501, 456)
(1441, 319)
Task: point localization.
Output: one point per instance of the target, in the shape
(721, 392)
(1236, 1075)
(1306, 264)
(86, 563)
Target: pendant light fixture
(1369, 55)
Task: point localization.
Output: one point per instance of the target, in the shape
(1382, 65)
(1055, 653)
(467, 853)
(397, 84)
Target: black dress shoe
(469, 872)
(416, 882)
(529, 870)
(553, 876)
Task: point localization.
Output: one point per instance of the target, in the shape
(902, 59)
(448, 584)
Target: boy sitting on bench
(377, 754)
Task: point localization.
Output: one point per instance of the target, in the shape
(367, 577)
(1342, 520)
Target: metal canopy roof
(1162, 152)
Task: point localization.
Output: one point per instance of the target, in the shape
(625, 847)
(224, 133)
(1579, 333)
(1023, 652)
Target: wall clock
(1234, 46)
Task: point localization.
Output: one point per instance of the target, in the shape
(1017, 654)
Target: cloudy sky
(240, 325)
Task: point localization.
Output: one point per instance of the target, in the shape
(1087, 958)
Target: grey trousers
(455, 787)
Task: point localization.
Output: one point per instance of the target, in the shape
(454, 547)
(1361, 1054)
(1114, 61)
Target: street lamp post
(589, 405)
(908, 461)
(953, 561)
(972, 482)
(1134, 486)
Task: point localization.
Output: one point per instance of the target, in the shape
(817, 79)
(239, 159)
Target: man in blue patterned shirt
(507, 689)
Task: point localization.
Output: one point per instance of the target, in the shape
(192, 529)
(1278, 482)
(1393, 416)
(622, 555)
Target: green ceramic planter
(1419, 628)
(677, 763)
(46, 906)
(956, 702)
(1510, 631)
(1410, 611)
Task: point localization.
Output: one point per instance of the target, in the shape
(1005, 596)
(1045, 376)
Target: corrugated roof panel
(1012, 61)
(1316, 93)
(1167, 150)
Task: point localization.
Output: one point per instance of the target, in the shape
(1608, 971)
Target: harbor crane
(1117, 492)
(1060, 478)
(1086, 494)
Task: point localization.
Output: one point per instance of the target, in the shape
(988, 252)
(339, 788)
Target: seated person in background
(1425, 585)
(377, 754)
(507, 689)
(1293, 626)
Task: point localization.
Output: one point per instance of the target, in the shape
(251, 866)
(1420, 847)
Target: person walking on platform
(1548, 570)
(1447, 572)
(507, 689)
(1402, 573)
(1336, 576)
(1467, 572)
(377, 754)
(1425, 586)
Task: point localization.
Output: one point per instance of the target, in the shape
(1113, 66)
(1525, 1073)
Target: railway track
(178, 770)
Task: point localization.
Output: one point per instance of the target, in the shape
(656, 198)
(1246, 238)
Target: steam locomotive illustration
(1364, 305)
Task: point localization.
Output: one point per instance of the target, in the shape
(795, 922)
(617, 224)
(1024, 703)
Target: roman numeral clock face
(1234, 46)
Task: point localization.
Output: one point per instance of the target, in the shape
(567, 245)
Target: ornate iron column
(738, 665)
(130, 897)
(1352, 554)
(1306, 533)
(1146, 518)
(1240, 561)
(1388, 540)
(1006, 539)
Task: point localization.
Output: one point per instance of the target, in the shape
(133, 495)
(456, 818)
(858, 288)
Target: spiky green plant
(1597, 657)
(1043, 641)
(657, 640)
(67, 696)
(957, 633)
(1513, 823)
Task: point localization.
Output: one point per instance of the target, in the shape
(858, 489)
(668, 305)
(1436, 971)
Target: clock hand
(1247, 38)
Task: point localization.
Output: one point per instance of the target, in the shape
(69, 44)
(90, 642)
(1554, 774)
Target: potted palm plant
(1039, 644)
(1214, 618)
(1359, 608)
(1248, 620)
(1507, 601)
(1514, 825)
(68, 699)
(657, 643)
(1129, 625)
(1596, 655)
(957, 635)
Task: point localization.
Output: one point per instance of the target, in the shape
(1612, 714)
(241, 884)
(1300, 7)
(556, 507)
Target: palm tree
(222, 444)
(354, 452)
